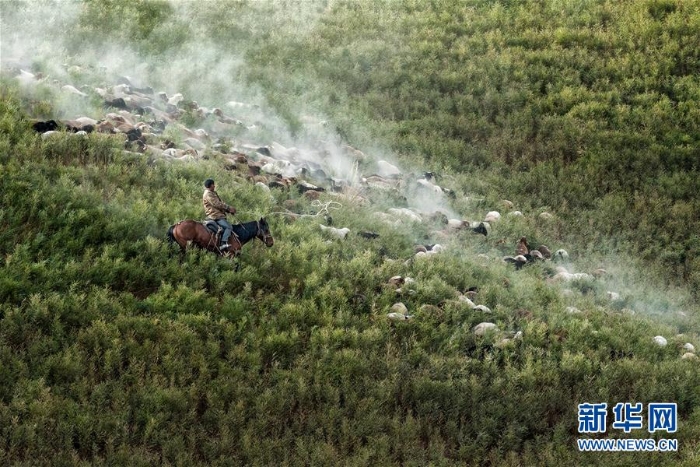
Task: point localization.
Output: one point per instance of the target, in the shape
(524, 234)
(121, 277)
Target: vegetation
(115, 350)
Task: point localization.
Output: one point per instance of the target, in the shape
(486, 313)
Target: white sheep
(262, 186)
(437, 248)
(430, 186)
(405, 212)
(455, 224)
(482, 328)
(386, 169)
(397, 281)
(194, 143)
(660, 341)
(418, 255)
(466, 300)
(175, 99)
(566, 276)
(398, 317)
(492, 216)
(337, 233)
(561, 254)
(73, 90)
(398, 312)
(613, 296)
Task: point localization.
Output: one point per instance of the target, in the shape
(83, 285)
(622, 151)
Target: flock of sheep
(142, 118)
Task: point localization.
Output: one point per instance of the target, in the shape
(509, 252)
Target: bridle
(265, 235)
(260, 233)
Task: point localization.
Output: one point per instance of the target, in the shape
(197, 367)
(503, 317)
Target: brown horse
(195, 233)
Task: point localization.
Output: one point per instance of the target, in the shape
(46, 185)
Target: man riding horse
(215, 209)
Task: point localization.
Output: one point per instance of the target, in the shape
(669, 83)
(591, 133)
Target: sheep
(522, 248)
(50, 133)
(545, 251)
(73, 90)
(304, 187)
(337, 233)
(175, 99)
(660, 341)
(406, 213)
(195, 144)
(519, 261)
(262, 186)
(385, 169)
(428, 185)
(380, 183)
(568, 276)
(482, 328)
(398, 317)
(26, 77)
(492, 216)
(475, 227)
(455, 224)
(613, 296)
(515, 336)
(536, 255)
(397, 281)
(399, 312)
(561, 255)
(436, 248)
(480, 228)
(84, 121)
(464, 299)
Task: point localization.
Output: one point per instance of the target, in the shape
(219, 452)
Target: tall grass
(116, 349)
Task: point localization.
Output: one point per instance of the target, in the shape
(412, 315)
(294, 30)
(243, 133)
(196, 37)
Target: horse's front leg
(234, 255)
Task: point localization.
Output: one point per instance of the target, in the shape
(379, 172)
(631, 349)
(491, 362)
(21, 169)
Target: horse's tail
(171, 235)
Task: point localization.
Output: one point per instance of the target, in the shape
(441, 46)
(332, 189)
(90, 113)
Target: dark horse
(197, 234)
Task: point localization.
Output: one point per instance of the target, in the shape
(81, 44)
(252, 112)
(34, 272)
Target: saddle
(217, 230)
(213, 227)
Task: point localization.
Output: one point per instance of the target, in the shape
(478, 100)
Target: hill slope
(113, 349)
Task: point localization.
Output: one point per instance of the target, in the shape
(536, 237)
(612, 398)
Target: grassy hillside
(590, 106)
(587, 108)
(115, 350)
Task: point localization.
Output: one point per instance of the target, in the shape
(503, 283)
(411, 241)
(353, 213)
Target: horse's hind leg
(172, 238)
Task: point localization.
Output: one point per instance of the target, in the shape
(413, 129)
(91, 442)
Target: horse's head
(263, 232)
